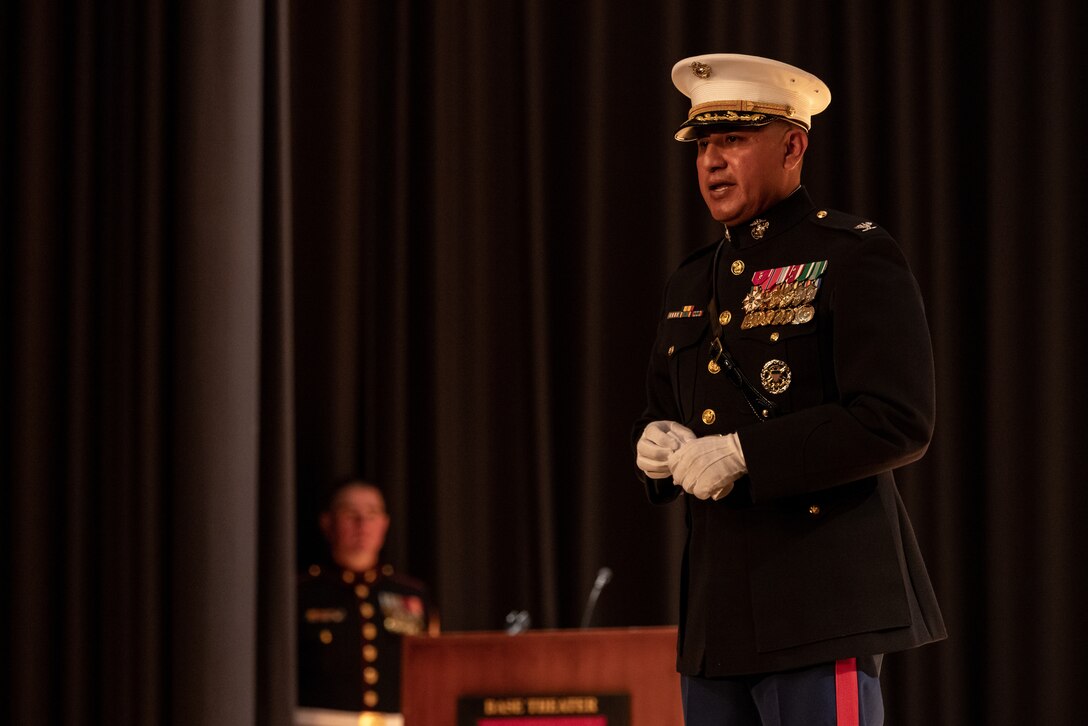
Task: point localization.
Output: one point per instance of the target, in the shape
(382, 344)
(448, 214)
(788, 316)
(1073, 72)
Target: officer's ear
(794, 145)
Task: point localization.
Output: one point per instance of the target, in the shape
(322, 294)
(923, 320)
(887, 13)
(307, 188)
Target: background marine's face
(356, 523)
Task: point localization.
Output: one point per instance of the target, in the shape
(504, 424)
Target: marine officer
(791, 373)
(354, 609)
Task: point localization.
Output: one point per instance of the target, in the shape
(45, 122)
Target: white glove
(659, 439)
(707, 467)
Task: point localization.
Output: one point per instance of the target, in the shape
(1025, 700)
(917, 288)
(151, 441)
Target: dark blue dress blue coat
(812, 558)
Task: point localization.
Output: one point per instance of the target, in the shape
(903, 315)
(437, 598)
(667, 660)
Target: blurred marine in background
(353, 610)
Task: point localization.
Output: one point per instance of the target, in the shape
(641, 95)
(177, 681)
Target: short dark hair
(338, 485)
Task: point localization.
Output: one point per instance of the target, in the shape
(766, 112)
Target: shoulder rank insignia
(689, 311)
(783, 295)
(865, 226)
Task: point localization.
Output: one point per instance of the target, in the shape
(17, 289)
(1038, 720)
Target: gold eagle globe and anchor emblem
(700, 70)
(759, 228)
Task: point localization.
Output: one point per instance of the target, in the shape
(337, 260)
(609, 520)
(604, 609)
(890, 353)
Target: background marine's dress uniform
(811, 558)
(350, 626)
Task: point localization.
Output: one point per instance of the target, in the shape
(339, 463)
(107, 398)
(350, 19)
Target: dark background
(249, 247)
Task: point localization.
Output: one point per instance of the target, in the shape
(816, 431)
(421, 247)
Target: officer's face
(357, 521)
(744, 171)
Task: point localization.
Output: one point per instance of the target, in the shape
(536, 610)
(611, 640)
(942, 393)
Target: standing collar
(773, 221)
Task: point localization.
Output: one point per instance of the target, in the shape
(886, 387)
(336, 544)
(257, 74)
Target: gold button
(713, 367)
(387, 570)
(362, 592)
(315, 570)
(821, 214)
(370, 653)
(348, 576)
(370, 675)
(366, 610)
(709, 416)
(774, 337)
(371, 575)
(670, 351)
(725, 317)
(814, 510)
(737, 267)
(326, 636)
(370, 631)
(766, 413)
(370, 698)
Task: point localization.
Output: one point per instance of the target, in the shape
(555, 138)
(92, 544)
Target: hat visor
(705, 124)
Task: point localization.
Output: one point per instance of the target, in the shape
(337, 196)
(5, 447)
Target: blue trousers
(822, 695)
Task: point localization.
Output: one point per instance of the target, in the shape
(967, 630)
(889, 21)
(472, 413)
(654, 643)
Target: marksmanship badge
(775, 376)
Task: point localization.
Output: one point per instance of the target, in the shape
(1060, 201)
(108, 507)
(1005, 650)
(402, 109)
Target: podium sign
(543, 678)
(544, 710)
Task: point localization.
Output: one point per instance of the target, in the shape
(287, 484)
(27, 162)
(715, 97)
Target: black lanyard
(761, 406)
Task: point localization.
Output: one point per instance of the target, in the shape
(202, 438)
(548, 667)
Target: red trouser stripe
(846, 692)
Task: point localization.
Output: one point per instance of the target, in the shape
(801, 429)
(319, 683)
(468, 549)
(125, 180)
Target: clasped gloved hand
(707, 467)
(659, 440)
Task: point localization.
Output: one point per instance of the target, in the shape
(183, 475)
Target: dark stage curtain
(147, 548)
(249, 246)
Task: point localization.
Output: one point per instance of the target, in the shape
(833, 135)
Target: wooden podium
(638, 662)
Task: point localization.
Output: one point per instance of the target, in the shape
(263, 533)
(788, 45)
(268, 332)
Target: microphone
(517, 621)
(604, 576)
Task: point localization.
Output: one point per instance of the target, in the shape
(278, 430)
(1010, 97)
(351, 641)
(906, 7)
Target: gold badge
(759, 228)
(775, 376)
(737, 267)
(700, 70)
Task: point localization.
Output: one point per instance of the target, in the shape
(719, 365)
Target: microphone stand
(604, 576)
